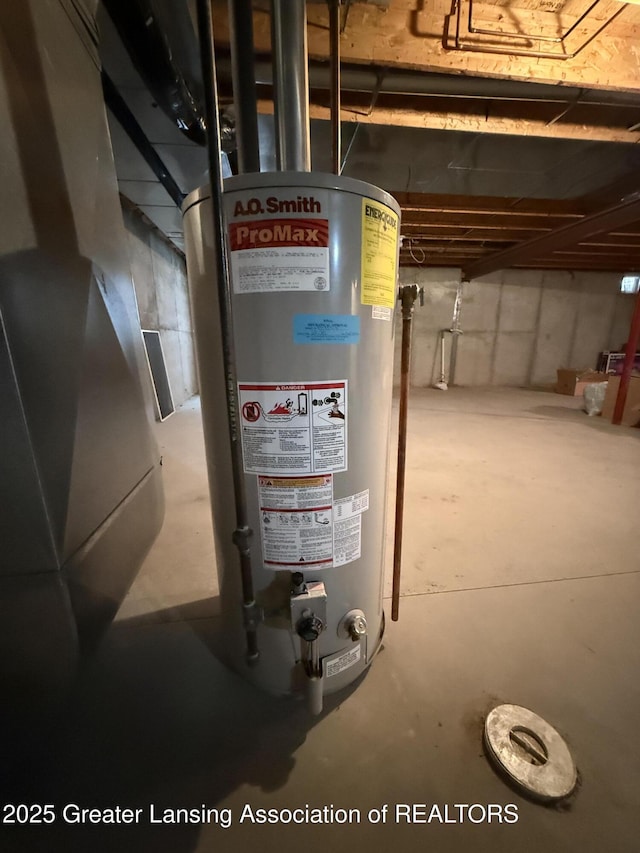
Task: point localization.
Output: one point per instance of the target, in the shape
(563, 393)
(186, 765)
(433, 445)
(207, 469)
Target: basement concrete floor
(521, 584)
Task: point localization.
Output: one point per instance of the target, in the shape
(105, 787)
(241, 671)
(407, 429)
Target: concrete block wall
(160, 281)
(519, 325)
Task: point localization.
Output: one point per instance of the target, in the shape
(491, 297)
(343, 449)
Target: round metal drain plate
(530, 752)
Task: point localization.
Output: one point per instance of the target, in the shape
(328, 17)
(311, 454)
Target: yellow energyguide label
(379, 254)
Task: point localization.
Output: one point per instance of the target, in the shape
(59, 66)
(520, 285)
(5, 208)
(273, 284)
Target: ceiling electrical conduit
(531, 36)
(510, 50)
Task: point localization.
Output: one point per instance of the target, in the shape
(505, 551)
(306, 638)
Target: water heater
(313, 262)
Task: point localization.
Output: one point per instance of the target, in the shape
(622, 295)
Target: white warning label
(379, 312)
(338, 664)
(347, 540)
(296, 521)
(347, 530)
(353, 505)
(294, 428)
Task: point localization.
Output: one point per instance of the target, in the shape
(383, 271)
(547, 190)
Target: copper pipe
(627, 367)
(531, 36)
(460, 44)
(408, 295)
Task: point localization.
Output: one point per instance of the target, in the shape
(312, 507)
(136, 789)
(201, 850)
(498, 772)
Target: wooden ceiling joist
(619, 215)
(441, 202)
(409, 34)
(482, 234)
(484, 120)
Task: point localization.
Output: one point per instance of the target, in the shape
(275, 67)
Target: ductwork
(160, 41)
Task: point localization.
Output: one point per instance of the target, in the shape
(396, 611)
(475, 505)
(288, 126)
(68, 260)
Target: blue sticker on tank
(326, 329)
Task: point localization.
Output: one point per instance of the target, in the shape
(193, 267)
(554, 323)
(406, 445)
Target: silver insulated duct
(312, 290)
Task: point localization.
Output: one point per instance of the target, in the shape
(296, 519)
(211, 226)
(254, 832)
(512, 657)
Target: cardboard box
(613, 362)
(631, 413)
(573, 382)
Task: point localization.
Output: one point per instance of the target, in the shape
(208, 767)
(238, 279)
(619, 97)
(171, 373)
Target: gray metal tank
(314, 262)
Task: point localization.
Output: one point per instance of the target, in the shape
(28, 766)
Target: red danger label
(268, 233)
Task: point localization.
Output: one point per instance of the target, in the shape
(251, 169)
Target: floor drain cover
(530, 752)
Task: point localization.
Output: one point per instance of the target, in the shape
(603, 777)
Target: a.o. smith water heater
(313, 262)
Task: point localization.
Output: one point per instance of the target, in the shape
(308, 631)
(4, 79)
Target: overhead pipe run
(160, 46)
(242, 534)
(506, 49)
(389, 81)
(557, 39)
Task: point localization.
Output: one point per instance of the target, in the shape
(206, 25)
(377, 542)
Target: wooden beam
(460, 262)
(421, 235)
(409, 35)
(621, 267)
(475, 123)
(495, 222)
(489, 204)
(421, 232)
(445, 248)
(470, 123)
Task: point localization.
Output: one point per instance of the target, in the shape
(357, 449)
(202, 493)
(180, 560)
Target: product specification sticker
(279, 243)
(380, 313)
(326, 329)
(353, 505)
(379, 254)
(347, 540)
(296, 428)
(347, 530)
(336, 665)
(296, 521)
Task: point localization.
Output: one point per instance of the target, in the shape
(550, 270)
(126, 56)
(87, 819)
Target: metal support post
(627, 367)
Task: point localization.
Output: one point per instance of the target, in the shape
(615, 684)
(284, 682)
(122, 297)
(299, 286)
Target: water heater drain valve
(353, 625)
